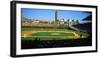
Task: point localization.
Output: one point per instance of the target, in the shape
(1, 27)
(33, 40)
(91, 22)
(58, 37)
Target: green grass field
(50, 34)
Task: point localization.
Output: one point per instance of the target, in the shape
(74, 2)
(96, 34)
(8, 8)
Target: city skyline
(49, 15)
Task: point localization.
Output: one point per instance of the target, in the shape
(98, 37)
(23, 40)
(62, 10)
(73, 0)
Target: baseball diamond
(43, 28)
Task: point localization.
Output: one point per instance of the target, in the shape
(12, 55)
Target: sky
(49, 15)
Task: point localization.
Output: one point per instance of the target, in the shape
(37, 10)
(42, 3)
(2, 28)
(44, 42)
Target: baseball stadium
(55, 33)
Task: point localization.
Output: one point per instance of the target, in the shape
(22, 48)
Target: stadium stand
(85, 27)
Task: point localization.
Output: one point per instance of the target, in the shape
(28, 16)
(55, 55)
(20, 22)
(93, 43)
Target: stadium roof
(89, 18)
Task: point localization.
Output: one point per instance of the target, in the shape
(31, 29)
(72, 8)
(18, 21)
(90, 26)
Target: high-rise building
(57, 22)
(56, 16)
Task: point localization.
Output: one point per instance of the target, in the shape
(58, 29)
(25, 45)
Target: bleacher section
(32, 44)
(85, 27)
